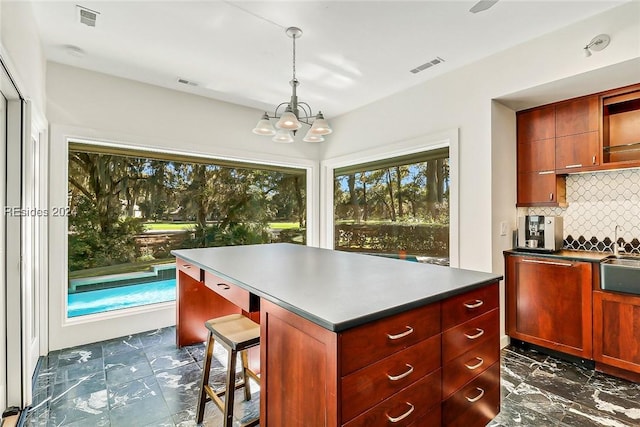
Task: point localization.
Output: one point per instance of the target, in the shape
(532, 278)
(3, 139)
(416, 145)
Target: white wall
(462, 99)
(20, 48)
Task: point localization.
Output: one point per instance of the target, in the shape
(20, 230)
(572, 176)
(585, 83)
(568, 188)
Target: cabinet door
(535, 156)
(541, 189)
(577, 116)
(536, 124)
(616, 330)
(577, 152)
(549, 303)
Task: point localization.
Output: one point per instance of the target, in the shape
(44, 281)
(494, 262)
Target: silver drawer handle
(478, 397)
(537, 261)
(186, 266)
(402, 334)
(402, 375)
(403, 416)
(478, 335)
(224, 286)
(546, 172)
(476, 366)
(573, 166)
(594, 160)
(475, 304)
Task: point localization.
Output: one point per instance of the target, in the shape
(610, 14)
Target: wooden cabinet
(616, 331)
(538, 184)
(548, 303)
(621, 127)
(577, 134)
(580, 115)
(388, 372)
(195, 304)
(471, 358)
(577, 152)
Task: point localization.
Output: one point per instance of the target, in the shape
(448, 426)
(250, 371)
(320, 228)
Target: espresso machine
(540, 233)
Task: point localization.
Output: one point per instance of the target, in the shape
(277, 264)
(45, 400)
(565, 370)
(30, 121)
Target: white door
(31, 224)
(3, 243)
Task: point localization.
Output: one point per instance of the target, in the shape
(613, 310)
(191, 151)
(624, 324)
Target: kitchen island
(349, 339)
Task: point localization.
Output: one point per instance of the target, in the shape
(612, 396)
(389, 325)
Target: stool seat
(235, 330)
(237, 333)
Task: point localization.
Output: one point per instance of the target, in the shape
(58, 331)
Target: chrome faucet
(616, 250)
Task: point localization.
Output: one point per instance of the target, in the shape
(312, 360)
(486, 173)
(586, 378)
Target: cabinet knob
(594, 160)
(402, 375)
(403, 416)
(476, 335)
(474, 304)
(401, 334)
(477, 365)
(551, 196)
(476, 398)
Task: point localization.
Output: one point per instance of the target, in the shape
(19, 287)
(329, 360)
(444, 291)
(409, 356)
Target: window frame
(67, 332)
(416, 145)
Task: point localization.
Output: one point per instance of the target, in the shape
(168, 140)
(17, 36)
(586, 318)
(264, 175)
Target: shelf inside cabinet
(634, 146)
(621, 127)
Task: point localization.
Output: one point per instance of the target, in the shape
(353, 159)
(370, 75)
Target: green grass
(283, 225)
(161, 226)
(151, 226)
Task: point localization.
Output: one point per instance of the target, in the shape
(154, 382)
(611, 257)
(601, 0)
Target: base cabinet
(616, 330)
(549, 303)
(387, 372)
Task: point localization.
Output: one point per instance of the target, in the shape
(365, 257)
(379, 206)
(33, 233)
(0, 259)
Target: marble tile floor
(143, 380)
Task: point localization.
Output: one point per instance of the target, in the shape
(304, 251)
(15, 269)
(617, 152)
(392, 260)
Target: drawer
(189, 269)
(405, 408)
(459, 309)
(432, 418)
(465, 367)
(463, 338)
(476, 403)
(374, 341)
(370, 385)
(232, 293)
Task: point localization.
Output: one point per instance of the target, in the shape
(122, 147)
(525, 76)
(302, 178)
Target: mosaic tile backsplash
(597, 202)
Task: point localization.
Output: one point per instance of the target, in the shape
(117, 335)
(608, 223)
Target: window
(395, 207)
(128, 210)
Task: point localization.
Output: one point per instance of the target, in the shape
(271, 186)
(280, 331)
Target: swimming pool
(99, 301)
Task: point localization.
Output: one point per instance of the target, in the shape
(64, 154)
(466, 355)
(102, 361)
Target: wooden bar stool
(236, 333)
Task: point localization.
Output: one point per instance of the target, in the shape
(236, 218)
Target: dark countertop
(587, 256)
(336, 290)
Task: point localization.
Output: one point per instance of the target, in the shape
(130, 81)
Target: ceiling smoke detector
(87, 16)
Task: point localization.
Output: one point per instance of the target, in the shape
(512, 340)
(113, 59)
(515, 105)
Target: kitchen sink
(620, 274)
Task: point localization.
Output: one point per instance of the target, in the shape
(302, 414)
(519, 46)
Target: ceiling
(351, 53)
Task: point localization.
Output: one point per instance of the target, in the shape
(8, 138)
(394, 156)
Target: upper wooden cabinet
(590, 133)
(577, 116)
(537, 124)
(621, 127)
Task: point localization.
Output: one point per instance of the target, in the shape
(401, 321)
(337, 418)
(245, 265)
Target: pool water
(99, 301)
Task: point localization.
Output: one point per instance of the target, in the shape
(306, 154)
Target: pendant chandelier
(293, 113)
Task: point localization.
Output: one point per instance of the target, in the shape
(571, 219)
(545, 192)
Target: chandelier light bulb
(309, 137)
(320, 126)
(264, 126)
(283, 136)
(288, 121)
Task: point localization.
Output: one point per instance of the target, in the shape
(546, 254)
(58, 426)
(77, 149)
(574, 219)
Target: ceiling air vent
(186, 82)
(87, 16)
(437, 60)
